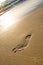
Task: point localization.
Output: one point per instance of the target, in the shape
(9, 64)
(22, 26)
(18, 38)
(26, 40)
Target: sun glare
(1, 1)
(14, 15)
(6, 21)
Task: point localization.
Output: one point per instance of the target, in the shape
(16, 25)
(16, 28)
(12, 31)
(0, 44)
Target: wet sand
(33, 54)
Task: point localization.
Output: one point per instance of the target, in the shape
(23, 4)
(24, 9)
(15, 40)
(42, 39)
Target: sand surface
(33, 54)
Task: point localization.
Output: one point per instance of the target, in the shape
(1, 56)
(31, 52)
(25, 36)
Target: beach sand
(33, 54)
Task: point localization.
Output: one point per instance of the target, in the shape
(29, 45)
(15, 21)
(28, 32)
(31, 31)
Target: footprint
(23, 44)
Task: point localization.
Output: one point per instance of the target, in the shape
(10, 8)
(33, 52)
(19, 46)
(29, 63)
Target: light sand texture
(33, 54)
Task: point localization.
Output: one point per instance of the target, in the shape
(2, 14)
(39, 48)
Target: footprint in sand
(23, 44)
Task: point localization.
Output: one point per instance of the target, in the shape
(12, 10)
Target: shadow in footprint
(23, 44)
